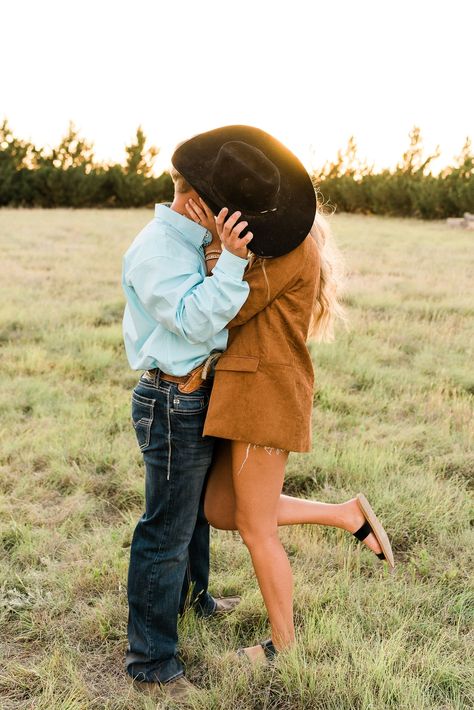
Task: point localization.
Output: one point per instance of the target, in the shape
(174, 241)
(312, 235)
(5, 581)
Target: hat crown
(243, 176)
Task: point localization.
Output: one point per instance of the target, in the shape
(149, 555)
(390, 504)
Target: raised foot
(354, 520)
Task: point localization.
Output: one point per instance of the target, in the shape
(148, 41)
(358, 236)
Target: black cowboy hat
(246, 169)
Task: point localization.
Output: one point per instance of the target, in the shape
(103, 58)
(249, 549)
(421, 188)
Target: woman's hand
(229, 231)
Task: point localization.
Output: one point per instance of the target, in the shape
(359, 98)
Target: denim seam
(188, 575)
(152, 577)
(184, 413)
(149, 384)
(141, 399)
(163, 538)
(169, 435)
(187, 397)
(146, 423)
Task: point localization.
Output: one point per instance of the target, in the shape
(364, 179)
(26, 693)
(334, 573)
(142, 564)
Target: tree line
(69, 175)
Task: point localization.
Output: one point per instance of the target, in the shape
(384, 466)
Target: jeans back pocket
(142, 418)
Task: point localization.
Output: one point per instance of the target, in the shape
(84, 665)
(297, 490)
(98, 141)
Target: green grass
(393, 418)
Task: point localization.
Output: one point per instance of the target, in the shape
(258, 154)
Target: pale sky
(310, 73)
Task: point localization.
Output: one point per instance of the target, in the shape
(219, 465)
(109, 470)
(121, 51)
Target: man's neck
(179, 202)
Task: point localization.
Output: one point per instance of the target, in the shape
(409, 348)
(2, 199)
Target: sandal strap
(363, 531)
(269, 649)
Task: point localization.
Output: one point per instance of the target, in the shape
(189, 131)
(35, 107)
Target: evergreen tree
(412, 161)
(139, 159)
(72, 152)
(14, 152)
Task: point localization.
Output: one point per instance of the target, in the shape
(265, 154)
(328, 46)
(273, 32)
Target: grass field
(393, 417)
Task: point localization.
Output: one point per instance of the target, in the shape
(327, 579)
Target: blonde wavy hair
(327, 306)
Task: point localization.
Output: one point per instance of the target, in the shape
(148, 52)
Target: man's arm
(177, 296)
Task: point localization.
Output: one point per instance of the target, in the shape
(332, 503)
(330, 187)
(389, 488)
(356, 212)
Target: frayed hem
(268, 449)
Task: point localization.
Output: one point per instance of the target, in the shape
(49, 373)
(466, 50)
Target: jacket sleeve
(267, 279)
(176, 295)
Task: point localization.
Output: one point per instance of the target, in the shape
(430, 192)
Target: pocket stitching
(187, 397)
(144, 421)
(140, 399)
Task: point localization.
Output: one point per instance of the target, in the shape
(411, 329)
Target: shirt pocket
(142, 418)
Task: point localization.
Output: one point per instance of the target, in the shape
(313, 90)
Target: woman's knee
(256, 533)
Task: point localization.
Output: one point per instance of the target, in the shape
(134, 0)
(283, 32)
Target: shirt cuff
(207, 239)
(231, 264)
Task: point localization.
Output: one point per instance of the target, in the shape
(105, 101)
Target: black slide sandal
(374, 526)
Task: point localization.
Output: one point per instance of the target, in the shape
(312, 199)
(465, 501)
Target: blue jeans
(169, 555)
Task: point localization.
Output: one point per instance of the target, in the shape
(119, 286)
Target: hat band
(240, 208)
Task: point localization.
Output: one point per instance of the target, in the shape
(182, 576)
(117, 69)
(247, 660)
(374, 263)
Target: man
(175, 317)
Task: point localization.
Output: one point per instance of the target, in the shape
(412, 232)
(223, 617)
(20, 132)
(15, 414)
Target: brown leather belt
(170, 378)
(198, 377)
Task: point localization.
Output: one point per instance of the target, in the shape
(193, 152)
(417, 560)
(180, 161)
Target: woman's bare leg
(257, 476)
(219, 504)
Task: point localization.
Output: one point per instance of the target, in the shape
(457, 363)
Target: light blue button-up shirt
(175, 314)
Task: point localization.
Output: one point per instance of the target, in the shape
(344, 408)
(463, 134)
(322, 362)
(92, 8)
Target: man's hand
(229, 232)
(226, 231)
(203, 215)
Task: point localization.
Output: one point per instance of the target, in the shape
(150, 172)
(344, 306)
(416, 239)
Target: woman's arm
(268, 278)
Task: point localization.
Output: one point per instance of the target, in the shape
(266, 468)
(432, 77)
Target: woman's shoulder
(306, 250)
(291, 261)
(304, 261)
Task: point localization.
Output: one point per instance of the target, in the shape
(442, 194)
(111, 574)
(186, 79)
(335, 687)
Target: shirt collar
(192, 232)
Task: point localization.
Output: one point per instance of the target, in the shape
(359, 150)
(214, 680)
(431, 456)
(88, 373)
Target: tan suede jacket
(263, 386)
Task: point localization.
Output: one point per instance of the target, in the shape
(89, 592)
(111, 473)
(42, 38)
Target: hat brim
(274, 233)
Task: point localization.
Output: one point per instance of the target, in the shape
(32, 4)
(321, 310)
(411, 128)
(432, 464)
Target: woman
(292, 297)
(261, 405)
